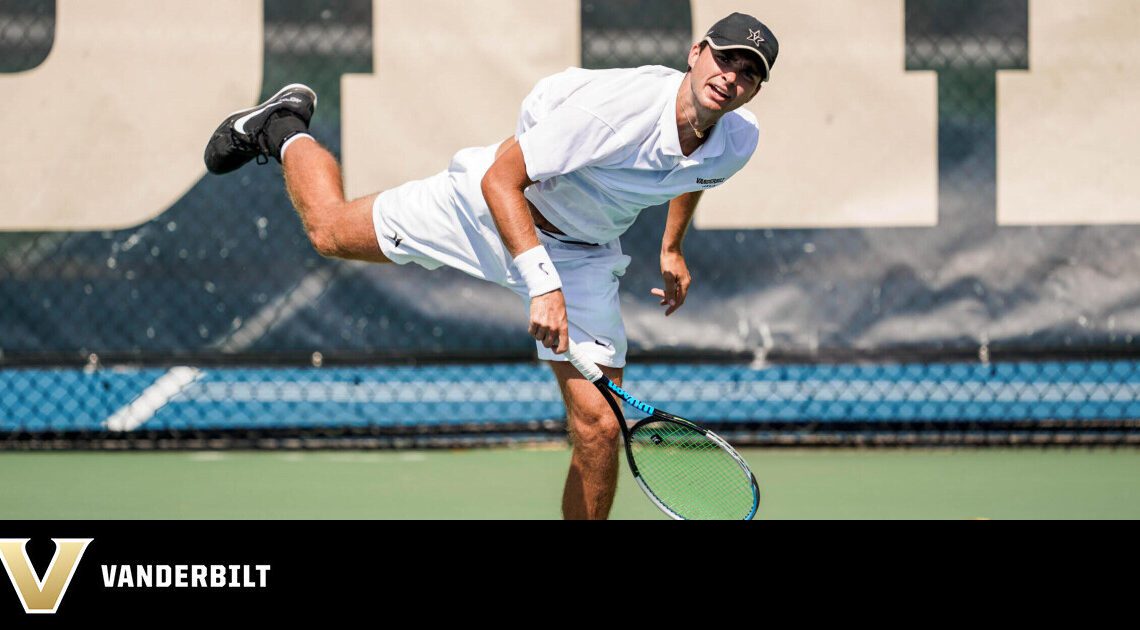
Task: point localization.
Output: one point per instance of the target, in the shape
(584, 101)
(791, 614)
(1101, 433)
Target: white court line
(208, 456)
(152, 399)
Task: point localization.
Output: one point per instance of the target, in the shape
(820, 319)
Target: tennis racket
(687, 471)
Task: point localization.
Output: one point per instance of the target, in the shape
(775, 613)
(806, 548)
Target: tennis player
(541, 213)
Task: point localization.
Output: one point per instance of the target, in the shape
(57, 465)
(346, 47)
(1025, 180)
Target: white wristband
(538, 271)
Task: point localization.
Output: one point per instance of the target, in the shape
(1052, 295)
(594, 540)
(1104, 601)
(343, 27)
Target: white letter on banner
(848, 137)
(1066, 130)
(109, 131)
(448, 74)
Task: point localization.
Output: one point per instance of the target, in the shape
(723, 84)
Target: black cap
(744, 32)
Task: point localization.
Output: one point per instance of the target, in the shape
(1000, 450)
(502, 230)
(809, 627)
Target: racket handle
(587, 367)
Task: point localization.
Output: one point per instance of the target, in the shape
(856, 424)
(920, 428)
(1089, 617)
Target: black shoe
(259, 132)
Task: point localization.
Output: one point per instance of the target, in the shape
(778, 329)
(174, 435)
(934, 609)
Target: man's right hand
(548, 321)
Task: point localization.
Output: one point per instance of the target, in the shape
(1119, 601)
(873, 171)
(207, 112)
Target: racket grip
(587, 367)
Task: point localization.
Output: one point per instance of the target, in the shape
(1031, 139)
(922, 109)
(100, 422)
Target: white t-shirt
(602, 146)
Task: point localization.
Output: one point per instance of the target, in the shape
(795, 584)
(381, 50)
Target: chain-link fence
(226, 277)
(1010, 404)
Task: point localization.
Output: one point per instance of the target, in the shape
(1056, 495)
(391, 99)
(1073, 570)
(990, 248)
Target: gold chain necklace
(700, 134)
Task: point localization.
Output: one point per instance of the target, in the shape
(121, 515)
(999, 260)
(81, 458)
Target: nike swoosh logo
(604, 345)
(542, 266)
(240, 124)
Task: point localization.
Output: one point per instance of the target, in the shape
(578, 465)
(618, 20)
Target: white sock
(290, 141)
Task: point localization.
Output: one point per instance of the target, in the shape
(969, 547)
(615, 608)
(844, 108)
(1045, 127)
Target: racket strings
(690, 473)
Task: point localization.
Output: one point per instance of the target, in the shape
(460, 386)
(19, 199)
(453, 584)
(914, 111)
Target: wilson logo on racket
(633, 402)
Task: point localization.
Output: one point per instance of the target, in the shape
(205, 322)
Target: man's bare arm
(681, 211)
(674, 271)
(503, 187)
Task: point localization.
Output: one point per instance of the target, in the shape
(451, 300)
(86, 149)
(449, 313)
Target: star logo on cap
(756, 37)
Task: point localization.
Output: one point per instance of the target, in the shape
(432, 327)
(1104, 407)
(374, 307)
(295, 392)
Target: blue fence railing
(181, 398)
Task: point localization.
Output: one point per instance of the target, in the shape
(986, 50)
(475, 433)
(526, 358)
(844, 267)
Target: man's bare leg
(336, 227)
(594, 434)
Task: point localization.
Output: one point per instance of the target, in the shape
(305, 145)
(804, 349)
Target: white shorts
(444, 220)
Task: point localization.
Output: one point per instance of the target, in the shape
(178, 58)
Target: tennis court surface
(525, 483)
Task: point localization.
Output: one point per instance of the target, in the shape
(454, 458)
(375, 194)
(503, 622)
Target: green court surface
(527, 484)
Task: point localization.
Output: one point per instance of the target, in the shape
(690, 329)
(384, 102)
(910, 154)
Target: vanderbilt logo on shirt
(709, 183)
(42, 595)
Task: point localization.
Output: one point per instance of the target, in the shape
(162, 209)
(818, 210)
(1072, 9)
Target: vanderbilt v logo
(42, 596)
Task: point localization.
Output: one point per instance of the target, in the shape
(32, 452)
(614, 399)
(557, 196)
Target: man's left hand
(675, 273)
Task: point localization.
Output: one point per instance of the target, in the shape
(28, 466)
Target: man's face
(724, 80)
